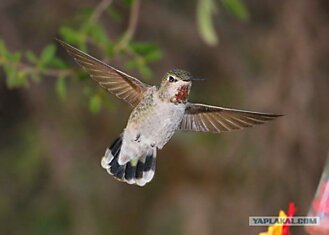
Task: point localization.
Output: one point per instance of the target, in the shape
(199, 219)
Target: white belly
(150, 126)
(161, 126)
(157, 126)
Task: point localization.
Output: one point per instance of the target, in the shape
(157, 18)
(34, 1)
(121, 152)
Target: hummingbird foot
(138, 138)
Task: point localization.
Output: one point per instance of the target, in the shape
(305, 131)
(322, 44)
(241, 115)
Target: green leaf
(69, 35)
(128, 3)
(84, 13)
(114, 14)
(98, 33)
(237, 8)
(110, 49)
(95, 103)
(22, 79)
(3, 48)
(31, 57)
(73, 36)
(48, 54)
(153, 56)
(15, 78)
(10, 75)
(145, 71)
(58, 63)
(60, 88)
(14, 57)
(205, 11)
(143, 48)
(132, 64)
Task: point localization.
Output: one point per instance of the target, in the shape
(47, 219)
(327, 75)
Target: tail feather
(138, 172)
(130, 172)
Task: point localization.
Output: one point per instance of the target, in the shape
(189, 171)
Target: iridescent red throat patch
(182, 94)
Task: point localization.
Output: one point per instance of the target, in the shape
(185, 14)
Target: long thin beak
(197, 79)
(194, 79)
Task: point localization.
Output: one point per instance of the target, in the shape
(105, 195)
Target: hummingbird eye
(172, 79)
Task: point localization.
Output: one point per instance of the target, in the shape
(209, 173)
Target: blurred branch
(127, 36)
(48, 72)
(94, 17)
(102, 6)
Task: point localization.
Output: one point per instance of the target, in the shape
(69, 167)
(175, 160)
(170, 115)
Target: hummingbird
(158, 112)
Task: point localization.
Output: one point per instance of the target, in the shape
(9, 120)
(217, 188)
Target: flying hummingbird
(158, 112)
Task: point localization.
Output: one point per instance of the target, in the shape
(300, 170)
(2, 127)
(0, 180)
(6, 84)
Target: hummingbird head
(175, 86)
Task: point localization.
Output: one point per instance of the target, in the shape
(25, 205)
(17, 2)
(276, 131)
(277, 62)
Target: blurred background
(55, 124)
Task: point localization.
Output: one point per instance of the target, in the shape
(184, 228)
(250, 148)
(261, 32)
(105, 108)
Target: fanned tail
(139, 171)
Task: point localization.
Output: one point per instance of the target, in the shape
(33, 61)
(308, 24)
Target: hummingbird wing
(113, 80)
(207, 118)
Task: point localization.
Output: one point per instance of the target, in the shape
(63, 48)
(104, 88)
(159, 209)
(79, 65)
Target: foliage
(237, 8)
(207, 9)
(23, 67)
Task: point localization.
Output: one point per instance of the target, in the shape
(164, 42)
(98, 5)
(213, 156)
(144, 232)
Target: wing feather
(207, 118)
(113, 80)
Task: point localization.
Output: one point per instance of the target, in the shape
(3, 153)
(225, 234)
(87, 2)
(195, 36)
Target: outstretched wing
(118, 83)
(206, 118)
